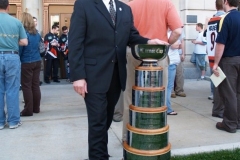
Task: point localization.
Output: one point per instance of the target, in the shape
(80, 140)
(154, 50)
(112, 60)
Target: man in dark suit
(97, 58)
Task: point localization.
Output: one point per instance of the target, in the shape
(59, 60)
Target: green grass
(216, 155)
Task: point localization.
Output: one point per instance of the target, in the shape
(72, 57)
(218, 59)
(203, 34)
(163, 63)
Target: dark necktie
(112, 12)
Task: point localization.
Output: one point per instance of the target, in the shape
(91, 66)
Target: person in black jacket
(98, 37)
(51, 57)
(63, 42)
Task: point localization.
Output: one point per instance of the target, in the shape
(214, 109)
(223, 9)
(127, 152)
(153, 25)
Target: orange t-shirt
(152, 18)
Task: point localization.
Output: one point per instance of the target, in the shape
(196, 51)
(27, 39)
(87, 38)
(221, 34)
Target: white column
(35, 8)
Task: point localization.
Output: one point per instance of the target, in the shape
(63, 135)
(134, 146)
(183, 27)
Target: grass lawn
(216, 155)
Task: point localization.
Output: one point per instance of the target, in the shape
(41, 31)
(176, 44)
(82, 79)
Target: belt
(8, 52)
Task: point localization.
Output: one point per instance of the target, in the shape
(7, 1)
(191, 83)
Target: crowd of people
(97, 56)
(21, 48)
(31, 61)
(55, 47)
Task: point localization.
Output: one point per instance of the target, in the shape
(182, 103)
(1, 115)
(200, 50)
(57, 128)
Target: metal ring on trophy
(141, 138)
(147, 118)
(148, 97)
(133, 153)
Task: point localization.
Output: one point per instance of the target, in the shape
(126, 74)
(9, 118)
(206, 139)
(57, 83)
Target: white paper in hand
(217, 80)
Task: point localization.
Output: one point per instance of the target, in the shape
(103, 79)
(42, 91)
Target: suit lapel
(102, 8)
(119, 11)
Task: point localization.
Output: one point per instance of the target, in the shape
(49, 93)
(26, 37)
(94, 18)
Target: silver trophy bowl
(149, 52)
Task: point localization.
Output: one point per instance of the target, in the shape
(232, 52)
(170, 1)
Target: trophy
(147, 137)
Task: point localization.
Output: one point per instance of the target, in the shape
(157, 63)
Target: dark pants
(218, 106)
(30, 86)
(229, 91)
(51, 67)
(100, 109)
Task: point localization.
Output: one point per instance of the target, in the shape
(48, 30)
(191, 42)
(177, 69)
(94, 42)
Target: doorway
(60, 15)
(13, 10)
(64, 20)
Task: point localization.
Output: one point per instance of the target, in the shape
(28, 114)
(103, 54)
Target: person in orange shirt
(152, 18)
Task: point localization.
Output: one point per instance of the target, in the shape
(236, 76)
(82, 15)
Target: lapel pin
(120, 9)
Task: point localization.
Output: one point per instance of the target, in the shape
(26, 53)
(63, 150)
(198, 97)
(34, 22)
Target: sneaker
(210, 97)
(15, 126)
(201, 78)
(173, 95)
(1, 127)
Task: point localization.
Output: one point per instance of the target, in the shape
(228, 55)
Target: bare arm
(182, 46)
(23, 42)
(175, 35)
(198, 42)
(175, 45)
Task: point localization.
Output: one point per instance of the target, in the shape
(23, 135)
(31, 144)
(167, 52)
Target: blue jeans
(9, 85)
(200, 61)
(171, 78)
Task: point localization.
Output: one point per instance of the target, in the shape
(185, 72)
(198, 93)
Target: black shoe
(57, 81)
(217, 115)
(47, 81)
(40, 83)
(24, 114)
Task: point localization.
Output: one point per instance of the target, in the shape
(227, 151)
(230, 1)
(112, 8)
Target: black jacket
(95, 43)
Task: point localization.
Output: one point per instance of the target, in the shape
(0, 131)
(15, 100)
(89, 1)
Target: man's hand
(157, 41)
(215, 71)
(182, 57)
(80, 86)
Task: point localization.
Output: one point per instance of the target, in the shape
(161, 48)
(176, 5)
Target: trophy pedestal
(147, 137)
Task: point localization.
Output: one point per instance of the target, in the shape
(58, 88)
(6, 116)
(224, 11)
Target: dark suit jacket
(94, 43)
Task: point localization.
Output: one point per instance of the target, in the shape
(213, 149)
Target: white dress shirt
(106, 2)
